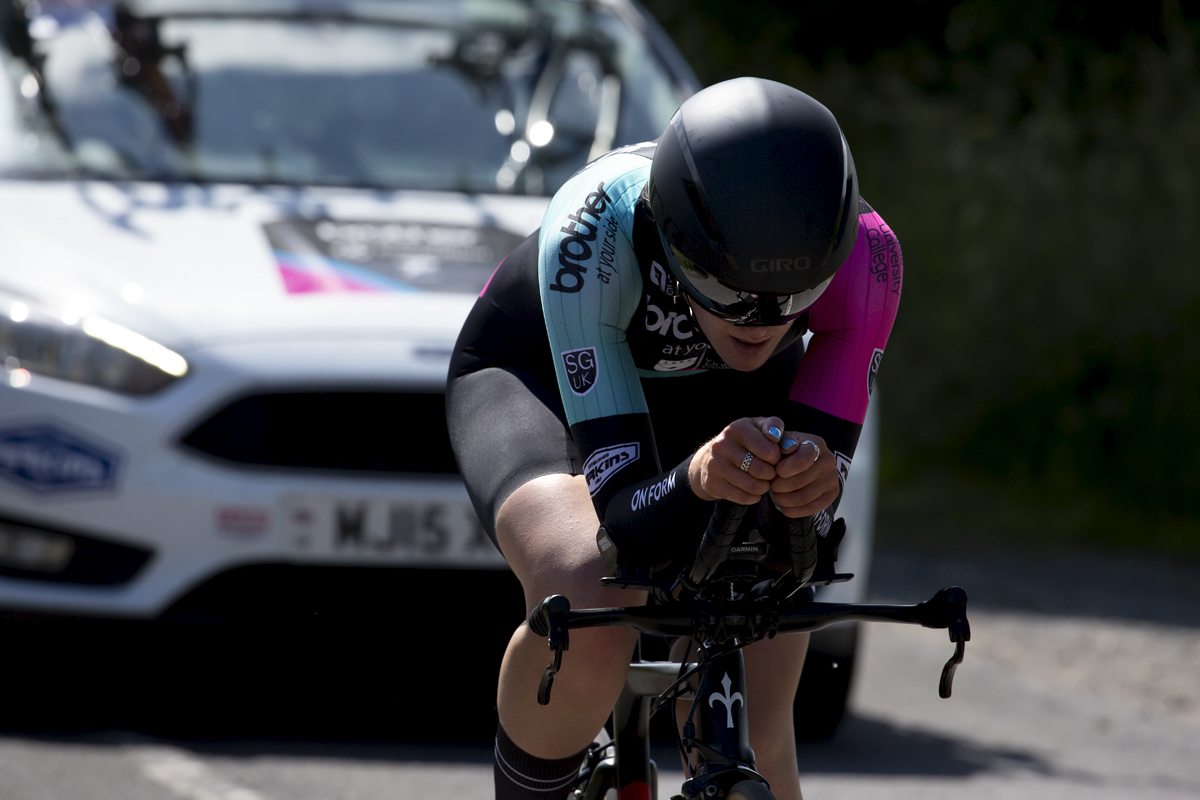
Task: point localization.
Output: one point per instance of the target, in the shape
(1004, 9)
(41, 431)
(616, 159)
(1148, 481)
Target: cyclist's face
(744, 348)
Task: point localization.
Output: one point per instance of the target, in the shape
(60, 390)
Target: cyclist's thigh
(546, 529)
(520, 466)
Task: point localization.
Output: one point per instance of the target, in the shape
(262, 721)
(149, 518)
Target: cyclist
(657, 319)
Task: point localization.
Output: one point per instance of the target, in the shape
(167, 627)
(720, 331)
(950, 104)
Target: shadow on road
(867, 746)
(864, 746)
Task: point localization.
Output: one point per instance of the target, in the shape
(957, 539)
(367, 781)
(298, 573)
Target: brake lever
(954, 601)
(549, 619)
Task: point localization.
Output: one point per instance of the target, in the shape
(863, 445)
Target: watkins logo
(575, 248)
(876, 357)
(581, 369)
(606, 462)
(653, 493)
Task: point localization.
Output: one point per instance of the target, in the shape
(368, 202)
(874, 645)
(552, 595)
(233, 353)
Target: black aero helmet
(754, 193)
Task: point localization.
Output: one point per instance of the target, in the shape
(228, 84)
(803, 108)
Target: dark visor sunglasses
(738, 307)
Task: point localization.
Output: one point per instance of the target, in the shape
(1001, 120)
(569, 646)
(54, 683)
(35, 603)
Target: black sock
(520, 776)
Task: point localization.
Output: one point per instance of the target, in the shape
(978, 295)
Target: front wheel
(825, 683)
(749, 790)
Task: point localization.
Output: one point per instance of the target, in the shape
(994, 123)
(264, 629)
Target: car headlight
(89, 349)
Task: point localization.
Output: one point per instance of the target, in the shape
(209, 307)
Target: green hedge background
(1040, 162)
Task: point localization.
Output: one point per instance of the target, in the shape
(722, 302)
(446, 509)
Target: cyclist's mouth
(745, 347)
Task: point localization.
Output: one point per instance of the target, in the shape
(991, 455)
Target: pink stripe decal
(637, 790)
(483, 291)
(851, 323)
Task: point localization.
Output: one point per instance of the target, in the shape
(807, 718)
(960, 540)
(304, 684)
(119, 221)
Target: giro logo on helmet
(797, 264)
(581, 369)
(575, 248)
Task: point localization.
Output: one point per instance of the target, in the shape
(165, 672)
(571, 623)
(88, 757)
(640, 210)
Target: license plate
(426, 531)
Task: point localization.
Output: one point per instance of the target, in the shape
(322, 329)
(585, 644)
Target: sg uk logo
(581, 369)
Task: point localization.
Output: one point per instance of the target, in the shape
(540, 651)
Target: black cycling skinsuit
(582, 357)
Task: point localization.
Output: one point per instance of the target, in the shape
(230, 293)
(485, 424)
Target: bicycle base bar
(669, 621)
(749, 621)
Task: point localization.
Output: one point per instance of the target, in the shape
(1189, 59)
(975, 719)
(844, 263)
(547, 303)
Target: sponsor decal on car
(46, 458)
(608, 461)
(242, 520)
(325, 255)
(581, 369)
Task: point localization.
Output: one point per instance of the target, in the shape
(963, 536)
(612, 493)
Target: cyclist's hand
(716, 471)
(806, 478)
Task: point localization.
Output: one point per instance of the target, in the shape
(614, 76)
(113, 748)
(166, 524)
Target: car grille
(343, 431)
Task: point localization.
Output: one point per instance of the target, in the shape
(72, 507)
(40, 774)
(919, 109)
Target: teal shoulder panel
(591, 286)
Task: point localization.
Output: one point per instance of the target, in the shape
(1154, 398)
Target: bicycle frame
(721, 733)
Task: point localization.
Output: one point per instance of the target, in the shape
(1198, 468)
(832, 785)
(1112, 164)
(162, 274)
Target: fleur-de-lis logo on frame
(728, 699)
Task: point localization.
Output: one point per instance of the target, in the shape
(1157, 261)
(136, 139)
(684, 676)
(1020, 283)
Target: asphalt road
(1082, 680)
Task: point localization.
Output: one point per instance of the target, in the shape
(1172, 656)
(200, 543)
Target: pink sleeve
(851, 323)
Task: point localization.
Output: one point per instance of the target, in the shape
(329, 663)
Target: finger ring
(746, 461)
(815, 447)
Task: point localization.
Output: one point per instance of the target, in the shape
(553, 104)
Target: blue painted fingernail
(788, 444)
(778, 507)
(775, 433)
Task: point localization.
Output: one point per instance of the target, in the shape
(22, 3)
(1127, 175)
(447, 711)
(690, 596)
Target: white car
(237, 242)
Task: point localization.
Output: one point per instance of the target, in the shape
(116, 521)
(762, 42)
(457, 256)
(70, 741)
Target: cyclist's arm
(590, 288)
(851, 324)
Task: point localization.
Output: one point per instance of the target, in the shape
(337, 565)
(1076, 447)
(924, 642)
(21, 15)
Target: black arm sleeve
(650, 515)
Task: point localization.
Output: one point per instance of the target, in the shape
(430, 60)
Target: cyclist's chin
(743, 349)
(744, 355)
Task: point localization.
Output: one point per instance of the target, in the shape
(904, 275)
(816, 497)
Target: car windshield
(470, 96)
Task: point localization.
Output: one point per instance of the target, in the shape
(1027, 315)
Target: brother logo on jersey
(652, 493)
(581, 369)
(575, 248)
(876, 358)
(608, 461)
